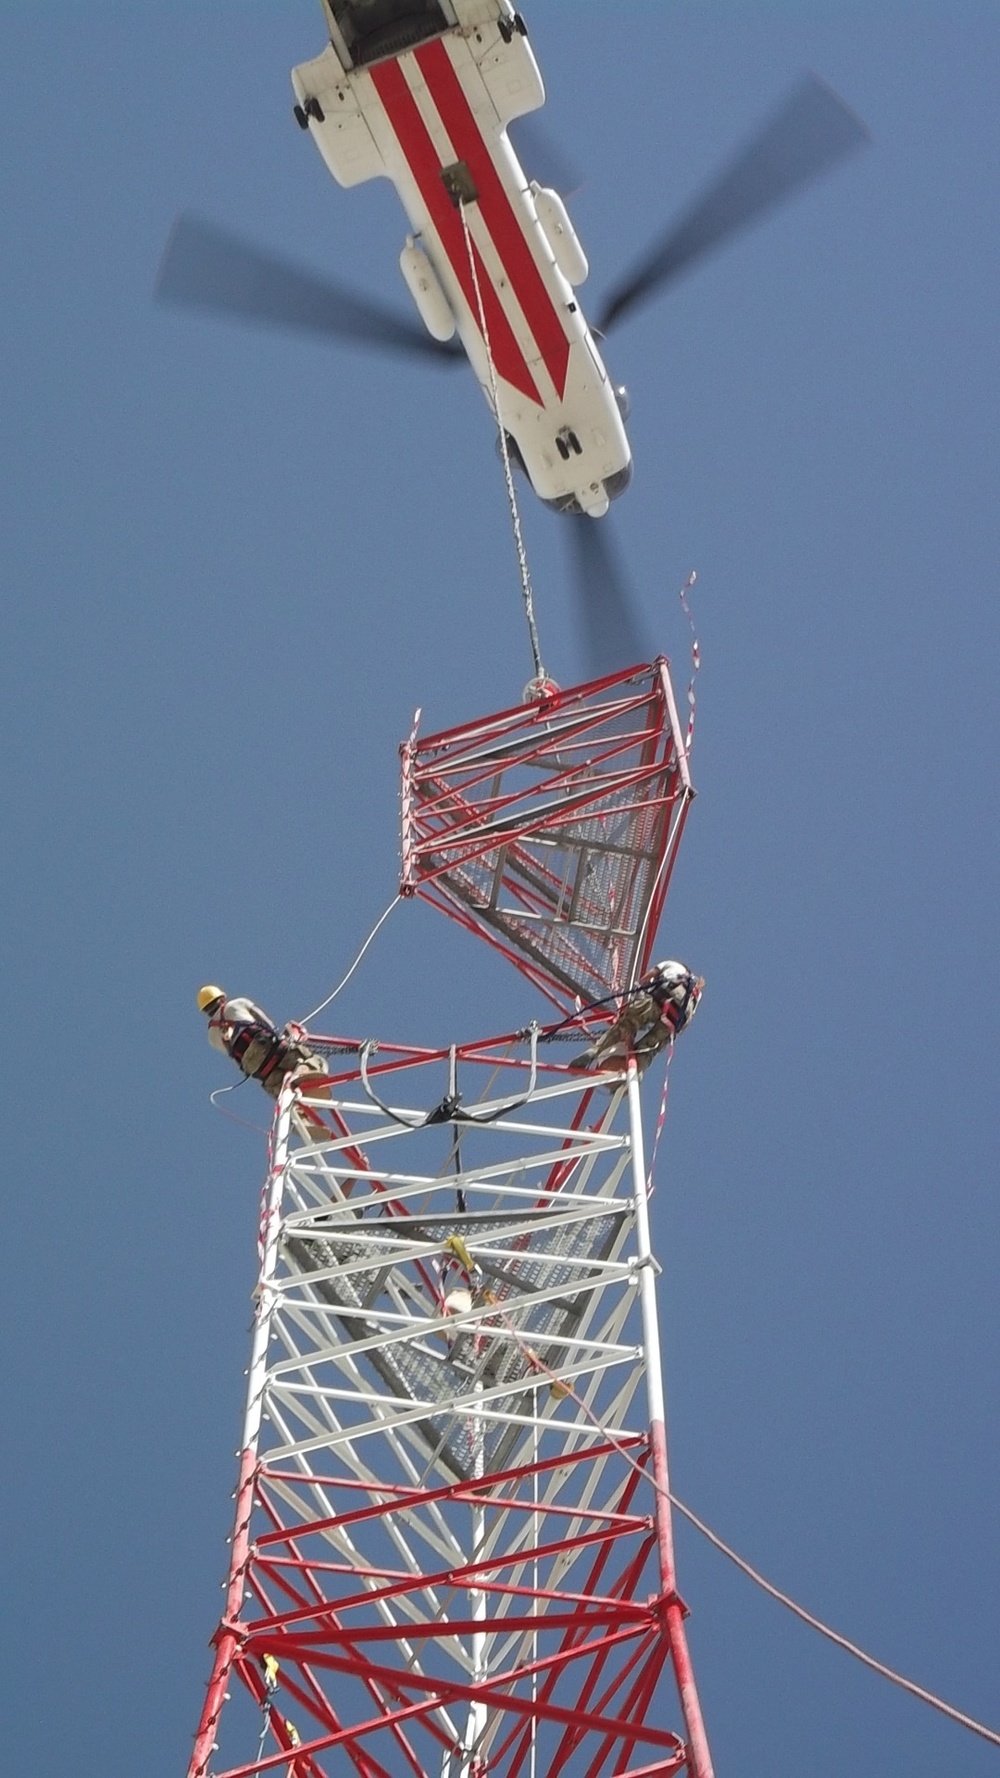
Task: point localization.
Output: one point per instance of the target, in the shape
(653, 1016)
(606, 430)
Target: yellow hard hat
(208, 995)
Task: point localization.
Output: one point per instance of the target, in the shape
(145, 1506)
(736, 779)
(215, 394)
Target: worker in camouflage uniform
(663, 1005)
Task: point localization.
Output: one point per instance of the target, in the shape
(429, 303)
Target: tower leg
(700, 1758)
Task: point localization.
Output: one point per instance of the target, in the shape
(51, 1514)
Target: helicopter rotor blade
(812, 130)
(207, 267)
(613, 632)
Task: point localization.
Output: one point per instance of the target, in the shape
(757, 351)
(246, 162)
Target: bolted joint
(663, 1603)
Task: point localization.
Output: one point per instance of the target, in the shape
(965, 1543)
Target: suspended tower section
(452, 1554)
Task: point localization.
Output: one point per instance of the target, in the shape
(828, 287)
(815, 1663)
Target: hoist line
(515, 516)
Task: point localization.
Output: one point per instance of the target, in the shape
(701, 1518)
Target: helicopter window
(375, 29)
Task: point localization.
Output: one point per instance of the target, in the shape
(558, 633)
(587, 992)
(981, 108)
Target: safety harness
(672, 1012)
(238, 1045)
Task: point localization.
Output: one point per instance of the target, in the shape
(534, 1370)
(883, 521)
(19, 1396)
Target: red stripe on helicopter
(495, 206)
(425, 164)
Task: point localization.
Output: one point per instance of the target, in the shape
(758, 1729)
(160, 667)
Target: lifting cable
(515, 516)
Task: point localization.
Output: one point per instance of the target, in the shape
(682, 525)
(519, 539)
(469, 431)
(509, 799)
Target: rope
(661, 1120)
(244, 1123)
(551, 1033)
(270, 1687)
(345, 979)
(695, 660)
(515, 516)
(851, 1648)
(759, 1580)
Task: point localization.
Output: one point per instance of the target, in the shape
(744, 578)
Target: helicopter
(423, 92)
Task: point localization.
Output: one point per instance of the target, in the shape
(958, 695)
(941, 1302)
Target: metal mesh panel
(552, 829)
(493, 1356)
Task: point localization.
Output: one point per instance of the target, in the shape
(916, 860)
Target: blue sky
(231, 567)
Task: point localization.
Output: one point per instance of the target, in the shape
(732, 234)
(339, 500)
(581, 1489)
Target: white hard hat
(672, 971)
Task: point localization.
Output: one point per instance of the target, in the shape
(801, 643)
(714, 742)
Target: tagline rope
(759, 1580)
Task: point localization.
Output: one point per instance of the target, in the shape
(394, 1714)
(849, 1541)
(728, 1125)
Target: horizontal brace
(481, 1493)
(581, 1140)
(462, 1576)
(471, 1406)
(476, 1054)
(419, 1228)
(446, 1629)
(403, 1186)
(427, 1233)
(449, 1691)
(483, 1318)
(307, 1567)
(496, 1336)
(335, 1440)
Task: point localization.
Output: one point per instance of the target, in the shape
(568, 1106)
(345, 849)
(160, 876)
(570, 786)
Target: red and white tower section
(453, 1552)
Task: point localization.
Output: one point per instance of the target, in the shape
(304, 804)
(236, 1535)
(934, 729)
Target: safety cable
(515, 516)
(449, 1109)
(551, 1032)
(244, 1123)
(660, 1121)
(799, 1611)
(267, 1701)
(230, 1089)
(345, 979)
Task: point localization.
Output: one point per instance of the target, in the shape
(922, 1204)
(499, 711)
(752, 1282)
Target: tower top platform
(551, 829)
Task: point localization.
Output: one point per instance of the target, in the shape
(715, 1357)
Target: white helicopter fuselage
(432, 116)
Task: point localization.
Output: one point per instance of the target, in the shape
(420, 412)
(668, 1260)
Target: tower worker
(243, 1031)
(662, 1006)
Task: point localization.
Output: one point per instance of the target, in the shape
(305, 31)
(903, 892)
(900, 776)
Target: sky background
(233, 564)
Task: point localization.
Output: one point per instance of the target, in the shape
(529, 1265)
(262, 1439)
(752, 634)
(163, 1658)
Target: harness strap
(248, 1034)
(670, 1012)
(270, 1062)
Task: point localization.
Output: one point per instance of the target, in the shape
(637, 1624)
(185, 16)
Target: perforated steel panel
(551, 829)
(496, 1353)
